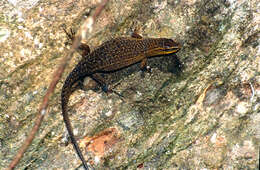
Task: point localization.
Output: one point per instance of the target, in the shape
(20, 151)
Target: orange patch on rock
(101, 142)
(220, 142)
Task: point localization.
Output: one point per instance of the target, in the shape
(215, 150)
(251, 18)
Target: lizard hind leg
(83, 48)
(70, 35)
(100, 80)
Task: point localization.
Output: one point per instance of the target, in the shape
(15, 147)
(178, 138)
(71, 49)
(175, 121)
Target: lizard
(112, 55)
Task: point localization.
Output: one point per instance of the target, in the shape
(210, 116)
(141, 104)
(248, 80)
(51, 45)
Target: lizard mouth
(169, 50)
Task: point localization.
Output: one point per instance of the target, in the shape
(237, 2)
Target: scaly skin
(112, 55)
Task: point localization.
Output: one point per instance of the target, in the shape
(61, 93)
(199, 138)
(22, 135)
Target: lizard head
(164, 46)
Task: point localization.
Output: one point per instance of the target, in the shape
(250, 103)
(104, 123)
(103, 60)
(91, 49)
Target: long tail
(67, 90)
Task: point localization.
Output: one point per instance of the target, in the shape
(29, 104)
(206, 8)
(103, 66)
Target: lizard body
(111, 56)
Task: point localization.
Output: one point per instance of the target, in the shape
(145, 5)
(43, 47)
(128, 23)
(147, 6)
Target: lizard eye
(166, 46)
